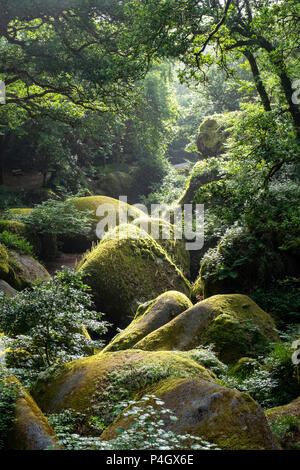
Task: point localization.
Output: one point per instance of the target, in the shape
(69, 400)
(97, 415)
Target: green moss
(9, 268)
(203, 173)
(151, 316)
(245, 367)
(212, 135)
(92, 203)
(124, 272)
(228, 418)
(164, 233)
(19, 211)
(233, 323)
(95, 385)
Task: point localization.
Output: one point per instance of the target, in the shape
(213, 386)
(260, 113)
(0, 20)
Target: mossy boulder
(203, 172)
(244, 260)
(127, 268)
(81, 243)
(212, 135)
(7, 289)
(30, 429)
(246, 366)
(115, 184)
(9, 269)
(92, 203)
(29, 269)
(95, 385)
(234, 324)
(228, 418)
(13, 226)
(286, 421)
(150, 317)
(164, 233)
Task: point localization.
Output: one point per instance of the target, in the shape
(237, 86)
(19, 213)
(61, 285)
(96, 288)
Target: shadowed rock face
(228, 418)
(31, 430)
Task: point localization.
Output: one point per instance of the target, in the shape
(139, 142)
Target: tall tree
(203, 32)
(58, 56)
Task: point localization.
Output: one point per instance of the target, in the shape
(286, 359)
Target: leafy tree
(213, 31)
(61, 59)
(44, 324)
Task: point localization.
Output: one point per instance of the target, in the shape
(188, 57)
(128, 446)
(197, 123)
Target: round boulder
(127, 268)
(234, 324)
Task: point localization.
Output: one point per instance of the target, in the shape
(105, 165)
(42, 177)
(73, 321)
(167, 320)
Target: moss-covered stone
(292, 408)
(127, 268)
(9, 268)
(245, 367)
(30, 429)
(13, 226)
(202, 173)
(164, 233)
(228, 418)
(96, 384)
(7, 289)
(92, 203)
(286, 420)
(115, 184)
(30, 270)
(157, 313)
(80, 243)
(233, 323)
(212, 135)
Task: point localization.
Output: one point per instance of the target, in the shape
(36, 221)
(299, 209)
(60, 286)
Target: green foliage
(145, 431)
(167, 191)
(284, 426)
(123, 385)
(56, 217)
(261, 247)
(8, 199)
(282, 300)
(272, 383)
(44, 324)
(15, 242)
(9, 392)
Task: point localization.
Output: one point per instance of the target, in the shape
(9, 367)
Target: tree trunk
(294, 108)
(258, 81)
